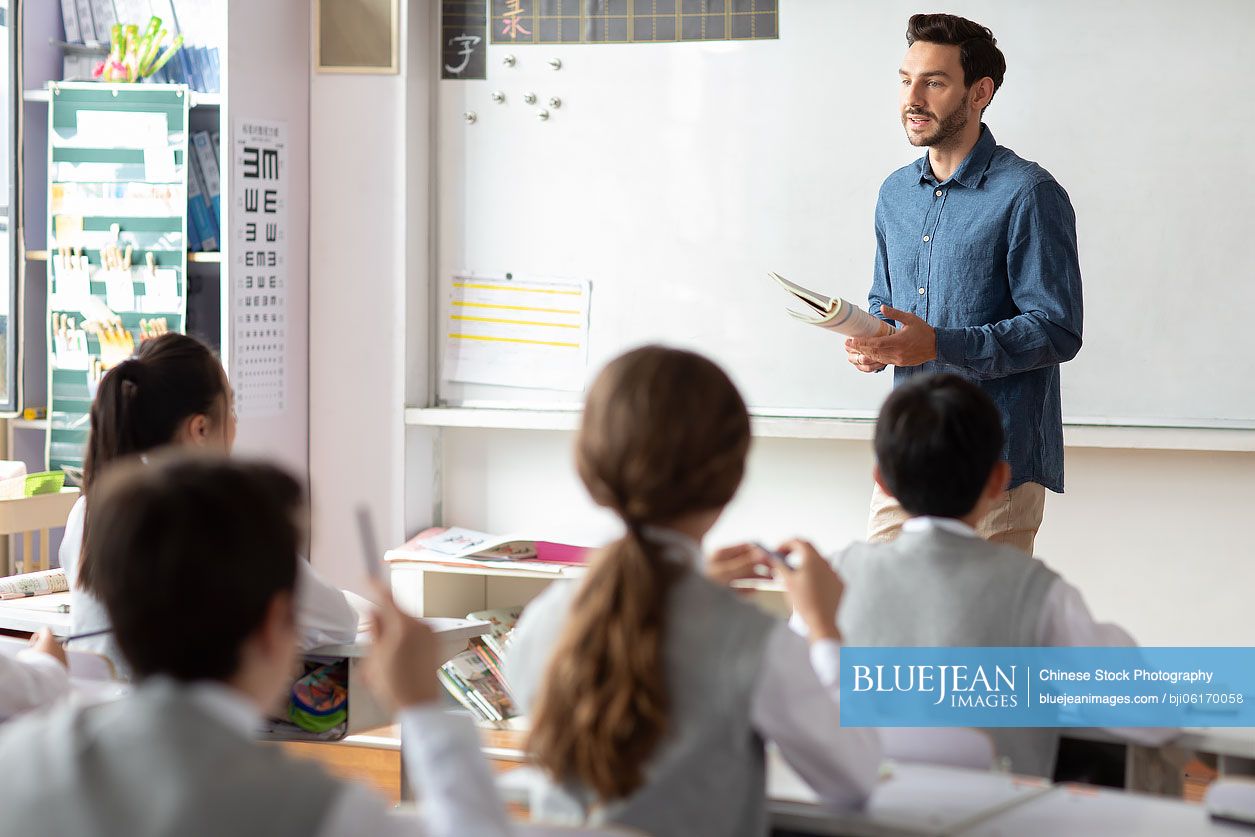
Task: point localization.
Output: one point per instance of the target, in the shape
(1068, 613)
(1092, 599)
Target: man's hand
(724, 566)
(860, 361)
(401, 668)
(914, 342)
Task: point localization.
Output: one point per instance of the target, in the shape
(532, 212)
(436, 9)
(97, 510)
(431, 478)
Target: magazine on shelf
(458, 547)
(476, 677)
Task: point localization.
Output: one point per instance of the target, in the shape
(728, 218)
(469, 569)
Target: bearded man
(976, 262)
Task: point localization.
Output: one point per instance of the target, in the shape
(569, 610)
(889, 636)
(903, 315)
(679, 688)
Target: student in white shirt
(650, 689)
(34, 677)
(938, 452)
(196, 561)
(174, 392)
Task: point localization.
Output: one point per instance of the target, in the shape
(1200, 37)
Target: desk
(90, 674)
(29, 615)
(1233, 747)
(1081, 811)
(913, 800)
(453, 634)
(365, 713)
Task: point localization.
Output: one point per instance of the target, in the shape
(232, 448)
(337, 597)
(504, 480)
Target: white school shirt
(29, 680)
(323, 614)
(796, 704)
(1065, 621)
(442, 760)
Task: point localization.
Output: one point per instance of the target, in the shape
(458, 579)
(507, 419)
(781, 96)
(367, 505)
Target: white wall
(368, 261)
(267, 77)
(1158, 541)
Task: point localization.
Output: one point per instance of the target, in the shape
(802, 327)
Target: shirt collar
(945, 524)
(228, 706)
(676, 546)
(972, 169)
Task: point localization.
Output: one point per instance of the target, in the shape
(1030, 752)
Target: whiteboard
(674, 176)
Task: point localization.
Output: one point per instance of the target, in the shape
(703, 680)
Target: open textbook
(460, 547)
(33, 584)
(839, 315)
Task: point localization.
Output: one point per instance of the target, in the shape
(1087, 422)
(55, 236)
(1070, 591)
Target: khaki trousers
(1014, 521)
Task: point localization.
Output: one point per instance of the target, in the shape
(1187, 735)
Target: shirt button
(938, 193)
(925, 238)
(921, 291)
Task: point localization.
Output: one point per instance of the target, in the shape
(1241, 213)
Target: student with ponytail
(172, 392)
(650, 688)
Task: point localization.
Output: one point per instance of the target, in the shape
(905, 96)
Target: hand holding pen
(44, 642)
(814, 587)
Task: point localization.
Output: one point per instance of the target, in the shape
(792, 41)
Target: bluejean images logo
(962, 686)
(1048, 687)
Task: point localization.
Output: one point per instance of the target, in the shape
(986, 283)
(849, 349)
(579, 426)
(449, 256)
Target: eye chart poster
(259, 267)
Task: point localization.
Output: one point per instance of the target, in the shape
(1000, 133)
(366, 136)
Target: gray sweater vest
(708, 775)
(152, 764)
(935, 588)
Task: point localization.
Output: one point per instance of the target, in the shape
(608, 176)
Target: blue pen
(778, 557)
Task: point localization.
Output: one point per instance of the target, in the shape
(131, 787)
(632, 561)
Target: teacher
(976, 261)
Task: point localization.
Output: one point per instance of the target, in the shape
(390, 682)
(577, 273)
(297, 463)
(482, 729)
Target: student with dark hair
(651, 690)
(196, 559)
(977, 262)
(938, 444)
(173, 393)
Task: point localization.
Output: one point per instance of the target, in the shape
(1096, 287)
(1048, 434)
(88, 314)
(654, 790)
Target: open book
(839, 315)
(467, 548)
(33, 584)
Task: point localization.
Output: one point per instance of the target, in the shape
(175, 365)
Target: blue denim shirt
(988, 259)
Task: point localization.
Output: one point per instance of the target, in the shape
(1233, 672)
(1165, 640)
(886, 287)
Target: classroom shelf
(786, 427)
(426, 589)
(207, 257)
(198, 100)
(1075, 434)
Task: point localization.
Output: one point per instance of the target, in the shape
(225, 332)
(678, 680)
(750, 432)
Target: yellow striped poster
(517, 332)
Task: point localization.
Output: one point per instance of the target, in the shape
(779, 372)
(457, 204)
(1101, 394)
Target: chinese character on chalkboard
(464, 39)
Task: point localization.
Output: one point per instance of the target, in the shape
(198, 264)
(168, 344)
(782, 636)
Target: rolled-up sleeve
(1044, 274)
(882, 292)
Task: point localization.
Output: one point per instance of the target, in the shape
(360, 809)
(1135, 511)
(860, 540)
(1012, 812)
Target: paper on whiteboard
(517, 333)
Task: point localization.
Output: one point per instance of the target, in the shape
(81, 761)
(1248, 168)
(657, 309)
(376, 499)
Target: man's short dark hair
(978, 48)
(191, 551)
(937, 440)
